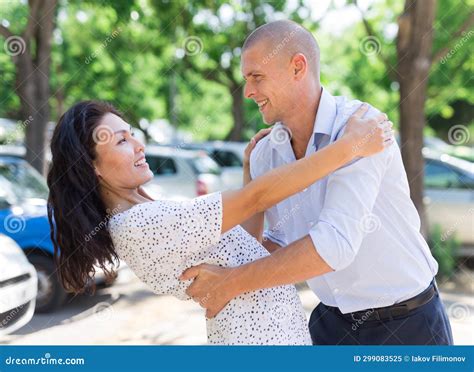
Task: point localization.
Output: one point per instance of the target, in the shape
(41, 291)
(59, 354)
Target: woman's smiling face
(120, 158)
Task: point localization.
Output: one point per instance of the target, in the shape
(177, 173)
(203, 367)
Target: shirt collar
(323, 125)
(326, 115)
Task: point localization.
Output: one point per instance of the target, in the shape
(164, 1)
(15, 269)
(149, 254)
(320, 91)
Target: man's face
(268, 81)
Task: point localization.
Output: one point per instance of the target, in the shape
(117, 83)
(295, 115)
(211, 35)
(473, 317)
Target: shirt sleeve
(274, 230)
(159, 240)
(347, 213)
(258, 163)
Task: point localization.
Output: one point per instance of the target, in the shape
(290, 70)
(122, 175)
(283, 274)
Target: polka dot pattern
(159, 240)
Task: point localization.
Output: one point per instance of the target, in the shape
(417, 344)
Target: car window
(204, 164)
(161, 165)
(25, 181)
(226, 158)
(439, 175)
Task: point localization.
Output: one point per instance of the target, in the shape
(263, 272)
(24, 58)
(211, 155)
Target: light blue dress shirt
(360, 218)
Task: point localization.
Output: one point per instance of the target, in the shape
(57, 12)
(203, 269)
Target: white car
(181, 174)
(18, 287)
(449, 197)
(229, 156)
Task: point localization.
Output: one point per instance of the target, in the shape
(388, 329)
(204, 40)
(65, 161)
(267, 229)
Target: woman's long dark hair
(77, 215)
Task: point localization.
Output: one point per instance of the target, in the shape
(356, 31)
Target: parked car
(181, 174)
(229, 156)
(449, 197)
(437, 144)
(23, 217)
(18, 287)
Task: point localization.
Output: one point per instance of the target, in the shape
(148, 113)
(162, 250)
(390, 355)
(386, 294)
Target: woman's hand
(251, 145)
(368, 136)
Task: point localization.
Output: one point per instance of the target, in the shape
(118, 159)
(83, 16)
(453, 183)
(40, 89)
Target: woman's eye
(122, 141)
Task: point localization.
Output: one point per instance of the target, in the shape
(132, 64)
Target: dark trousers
(425, 325)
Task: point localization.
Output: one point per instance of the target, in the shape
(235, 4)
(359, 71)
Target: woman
(101, 213)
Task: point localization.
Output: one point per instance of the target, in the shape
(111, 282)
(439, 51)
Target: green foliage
(444, 247)
(133, 53)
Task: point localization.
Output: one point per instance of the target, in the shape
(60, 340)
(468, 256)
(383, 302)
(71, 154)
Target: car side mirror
(4, 204)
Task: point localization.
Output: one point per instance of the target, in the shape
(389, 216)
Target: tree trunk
(414, 44)
(237, 93)
(32, 71)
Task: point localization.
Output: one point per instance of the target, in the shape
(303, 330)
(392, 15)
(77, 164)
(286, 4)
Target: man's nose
(248, 90)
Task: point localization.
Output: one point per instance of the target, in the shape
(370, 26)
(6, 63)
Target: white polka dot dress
(159, 240)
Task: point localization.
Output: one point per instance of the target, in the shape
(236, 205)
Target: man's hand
(212, 287)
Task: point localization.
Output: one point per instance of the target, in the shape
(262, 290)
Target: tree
(209, 35)
(414, 48)
(31, 55)
(411, 67)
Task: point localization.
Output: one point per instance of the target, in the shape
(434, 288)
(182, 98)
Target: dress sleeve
(159, 240)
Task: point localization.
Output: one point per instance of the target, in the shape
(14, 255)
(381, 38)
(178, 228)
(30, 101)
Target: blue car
(23, 217)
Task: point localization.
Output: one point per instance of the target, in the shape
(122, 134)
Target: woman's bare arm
(253, 225)
(363, 137)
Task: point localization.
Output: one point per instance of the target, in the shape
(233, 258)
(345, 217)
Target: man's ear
(299, 65)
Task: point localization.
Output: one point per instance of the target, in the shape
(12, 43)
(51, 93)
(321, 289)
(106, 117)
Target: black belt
(389, 312)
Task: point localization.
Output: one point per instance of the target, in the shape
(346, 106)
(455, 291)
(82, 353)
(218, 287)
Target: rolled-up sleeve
(259, 164)
(347, 213)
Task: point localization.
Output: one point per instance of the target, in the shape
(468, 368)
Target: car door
(170, 180)
(231, 165)
(449, 200)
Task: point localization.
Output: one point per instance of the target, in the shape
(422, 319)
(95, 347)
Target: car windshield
(22, 181)
(226, 158)
(204, 164)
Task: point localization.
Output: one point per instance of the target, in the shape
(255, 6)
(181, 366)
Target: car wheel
(51, 294)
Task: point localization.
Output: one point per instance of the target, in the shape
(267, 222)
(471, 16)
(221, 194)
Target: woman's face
(120, 160)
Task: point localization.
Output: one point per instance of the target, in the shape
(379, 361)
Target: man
(354, 236)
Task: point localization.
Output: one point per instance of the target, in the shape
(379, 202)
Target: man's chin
(268, 121)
